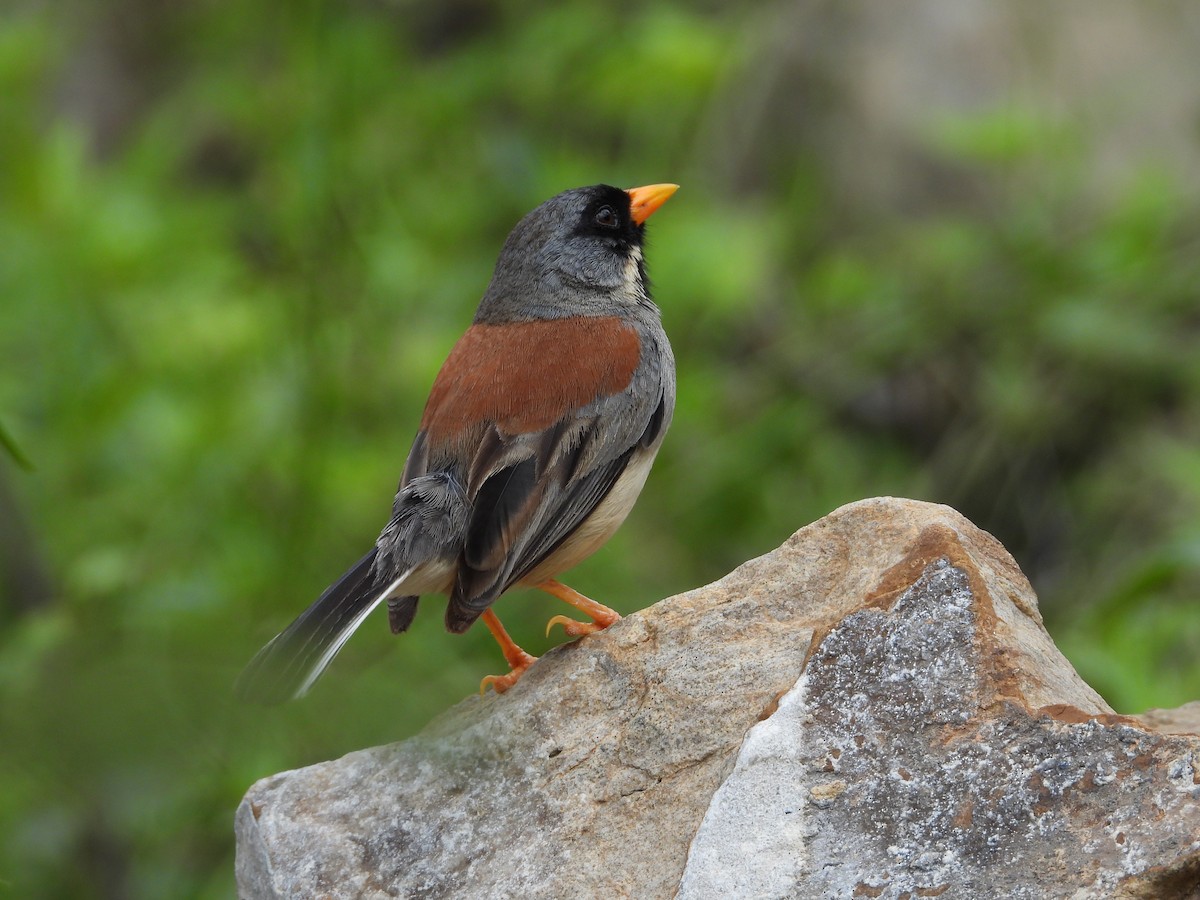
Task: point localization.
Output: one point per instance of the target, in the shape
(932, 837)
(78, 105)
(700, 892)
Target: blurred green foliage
(237, 242)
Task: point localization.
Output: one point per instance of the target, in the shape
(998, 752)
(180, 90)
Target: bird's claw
(572, 627)
(575, 628)
(498, 683)
(501, 683)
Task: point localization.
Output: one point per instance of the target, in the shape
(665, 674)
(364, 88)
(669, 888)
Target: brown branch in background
(25, 584)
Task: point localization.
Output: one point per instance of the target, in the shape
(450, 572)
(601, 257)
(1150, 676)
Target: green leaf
(10, 446)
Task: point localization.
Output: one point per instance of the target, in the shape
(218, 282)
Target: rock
(1181, 720)
(872, 710)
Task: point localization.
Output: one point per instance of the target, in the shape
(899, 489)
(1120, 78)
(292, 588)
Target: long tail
(295, 658)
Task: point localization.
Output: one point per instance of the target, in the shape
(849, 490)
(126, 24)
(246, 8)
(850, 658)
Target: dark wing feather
(504, 504)
(503, 507)
(500, 549)
(585, 495)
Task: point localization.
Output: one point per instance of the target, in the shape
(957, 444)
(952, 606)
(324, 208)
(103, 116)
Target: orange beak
(643, 201)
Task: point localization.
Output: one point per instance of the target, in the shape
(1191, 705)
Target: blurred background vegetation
(941, 250)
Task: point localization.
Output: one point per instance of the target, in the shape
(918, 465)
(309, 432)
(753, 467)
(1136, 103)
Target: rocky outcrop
(872, 710)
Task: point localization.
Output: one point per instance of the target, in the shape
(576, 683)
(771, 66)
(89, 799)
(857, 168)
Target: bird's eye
(606, 217)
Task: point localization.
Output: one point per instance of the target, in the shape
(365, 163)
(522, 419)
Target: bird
(539, 432)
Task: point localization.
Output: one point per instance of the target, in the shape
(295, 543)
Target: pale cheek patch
(632, 291)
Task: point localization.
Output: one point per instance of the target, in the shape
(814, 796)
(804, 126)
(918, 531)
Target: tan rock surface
(873, 709)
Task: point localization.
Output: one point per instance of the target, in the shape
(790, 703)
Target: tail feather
(287, 666)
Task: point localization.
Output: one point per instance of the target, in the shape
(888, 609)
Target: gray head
(579, 253)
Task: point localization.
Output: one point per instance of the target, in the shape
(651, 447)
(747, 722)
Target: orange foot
(501, 683)
(600, 615)
(517, 659)
(573, 627)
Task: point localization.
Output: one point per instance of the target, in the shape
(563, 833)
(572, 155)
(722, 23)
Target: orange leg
(600, 615)
(518, 660)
